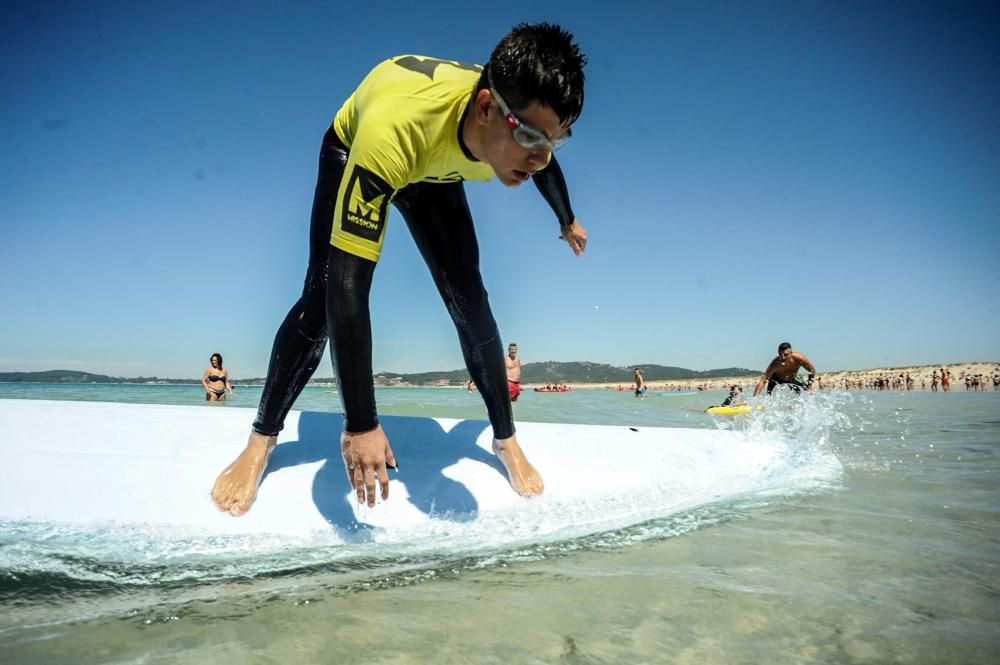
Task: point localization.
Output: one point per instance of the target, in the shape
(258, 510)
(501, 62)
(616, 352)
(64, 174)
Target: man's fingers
(383, 479)
(370, 485)
(349, 462)
(358, 482)
(576, 243)
(349, 470)
(571, 242)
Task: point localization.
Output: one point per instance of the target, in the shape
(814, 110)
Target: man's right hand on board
(366, 458)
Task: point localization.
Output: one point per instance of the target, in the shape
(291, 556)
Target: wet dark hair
(216, 355)
(538, 62)
(783, 346)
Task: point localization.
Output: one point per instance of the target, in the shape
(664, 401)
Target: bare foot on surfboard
(523, 477)
(236, 487)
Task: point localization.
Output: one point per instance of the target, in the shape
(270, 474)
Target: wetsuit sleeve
(349, 323)
(379, 164)
(380, 161)
(360, 218)
(552, 185)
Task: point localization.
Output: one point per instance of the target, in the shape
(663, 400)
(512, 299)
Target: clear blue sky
(822, 172)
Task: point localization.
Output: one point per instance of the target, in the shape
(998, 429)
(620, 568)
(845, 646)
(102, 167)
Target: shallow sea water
(896, 561)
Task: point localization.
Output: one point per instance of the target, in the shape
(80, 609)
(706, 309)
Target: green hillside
(73, 376)
(574, 372)
(587, 372)
(543, 372)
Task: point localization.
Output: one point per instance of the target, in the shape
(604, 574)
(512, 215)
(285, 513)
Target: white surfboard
(103, 465)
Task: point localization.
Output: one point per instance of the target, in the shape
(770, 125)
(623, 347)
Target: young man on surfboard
(410, 134)
(784, 370)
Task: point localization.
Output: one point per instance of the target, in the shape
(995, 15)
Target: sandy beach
(921, 375)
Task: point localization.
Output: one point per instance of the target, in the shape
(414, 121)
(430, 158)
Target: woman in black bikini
(216, 381)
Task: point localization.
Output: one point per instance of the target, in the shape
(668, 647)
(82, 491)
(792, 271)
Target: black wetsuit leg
(439, 219)
(301, 339)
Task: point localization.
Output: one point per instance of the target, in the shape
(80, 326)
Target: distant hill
(543, 372)
(73, 376)
(453, 377)
(587, 372)
(572, 372)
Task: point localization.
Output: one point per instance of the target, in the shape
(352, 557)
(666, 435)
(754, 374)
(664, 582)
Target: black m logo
(366, 204)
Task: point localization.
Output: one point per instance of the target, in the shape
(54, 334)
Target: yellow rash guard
(402, 126)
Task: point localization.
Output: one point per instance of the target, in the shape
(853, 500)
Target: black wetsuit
(334, 299)
(397, 138)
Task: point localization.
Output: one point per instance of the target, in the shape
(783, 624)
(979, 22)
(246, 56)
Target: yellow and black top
(402, 132)
(402, 126)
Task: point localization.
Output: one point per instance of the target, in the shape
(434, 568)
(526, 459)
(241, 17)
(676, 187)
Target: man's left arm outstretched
(551, 182)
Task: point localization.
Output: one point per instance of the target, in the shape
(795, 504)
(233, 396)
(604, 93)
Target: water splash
(803, 424)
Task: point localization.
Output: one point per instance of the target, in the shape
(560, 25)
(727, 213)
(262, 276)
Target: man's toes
(220, 500)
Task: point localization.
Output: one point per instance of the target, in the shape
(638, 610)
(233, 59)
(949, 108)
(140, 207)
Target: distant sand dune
(919, 373)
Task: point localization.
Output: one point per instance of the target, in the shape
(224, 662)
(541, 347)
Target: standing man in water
(784, 370)
(640, 383)
(411, 134)
(513, 372)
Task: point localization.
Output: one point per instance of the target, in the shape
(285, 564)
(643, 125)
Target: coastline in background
(554, 373)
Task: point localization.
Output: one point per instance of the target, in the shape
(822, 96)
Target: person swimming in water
(735, 392)
(215, 380)
(784, 369)
(412, 132)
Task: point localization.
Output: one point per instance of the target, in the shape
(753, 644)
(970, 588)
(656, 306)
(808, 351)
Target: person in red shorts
(513, 372)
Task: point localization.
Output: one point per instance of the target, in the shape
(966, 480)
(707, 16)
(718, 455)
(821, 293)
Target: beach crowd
(978, 379)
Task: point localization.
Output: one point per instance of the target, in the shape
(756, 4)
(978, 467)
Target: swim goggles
(527, 137)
